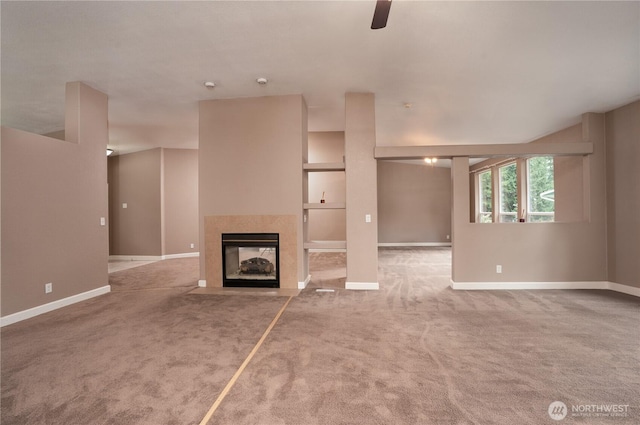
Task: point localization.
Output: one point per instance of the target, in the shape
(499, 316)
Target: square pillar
(361, 191)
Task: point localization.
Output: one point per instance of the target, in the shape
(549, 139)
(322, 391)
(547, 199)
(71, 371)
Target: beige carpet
(328, 270)
(413, 352)
(180, 272)
(119, 265)
(418, 352)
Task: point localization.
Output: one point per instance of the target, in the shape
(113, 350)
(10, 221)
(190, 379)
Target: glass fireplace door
(250, 260)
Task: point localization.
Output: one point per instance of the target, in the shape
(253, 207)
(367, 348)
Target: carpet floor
(413, 352)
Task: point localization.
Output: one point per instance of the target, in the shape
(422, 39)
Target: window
(508, 193)
(485, 198)
(540, 189)
(521, 187)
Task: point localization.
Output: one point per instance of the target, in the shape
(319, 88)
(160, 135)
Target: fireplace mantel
(284, 225)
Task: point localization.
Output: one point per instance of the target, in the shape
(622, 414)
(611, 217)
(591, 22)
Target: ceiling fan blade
(381, 14)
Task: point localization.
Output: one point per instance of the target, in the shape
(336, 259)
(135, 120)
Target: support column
(361, 191)
(460, 204)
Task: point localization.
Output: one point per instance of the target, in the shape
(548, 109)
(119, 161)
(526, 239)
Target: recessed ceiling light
(209, 84)
(262, 81)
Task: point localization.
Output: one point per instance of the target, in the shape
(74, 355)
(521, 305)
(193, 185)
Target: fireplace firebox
(250, 260)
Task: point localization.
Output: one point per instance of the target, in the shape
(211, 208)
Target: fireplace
(250, 260)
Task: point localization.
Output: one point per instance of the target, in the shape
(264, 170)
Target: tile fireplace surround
(284, 225)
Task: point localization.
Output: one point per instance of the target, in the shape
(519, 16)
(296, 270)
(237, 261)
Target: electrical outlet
(498, 268)
(192, 245)
(124, 205)
(48, 288)
(367, 218)
(103, 221)
(448, 237)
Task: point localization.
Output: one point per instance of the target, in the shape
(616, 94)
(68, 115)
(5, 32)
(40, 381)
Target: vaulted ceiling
(472, 72)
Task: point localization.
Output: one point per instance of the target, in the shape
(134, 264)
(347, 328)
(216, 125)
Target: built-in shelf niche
(325, 171)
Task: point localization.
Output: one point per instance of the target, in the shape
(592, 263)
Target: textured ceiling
(474, 72)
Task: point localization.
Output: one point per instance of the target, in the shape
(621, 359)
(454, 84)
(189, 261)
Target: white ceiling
(474, 72)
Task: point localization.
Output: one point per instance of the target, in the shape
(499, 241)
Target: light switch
(103, 221)
(124, 205)
(367, 218)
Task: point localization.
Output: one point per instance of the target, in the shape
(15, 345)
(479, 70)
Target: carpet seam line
(244, 364)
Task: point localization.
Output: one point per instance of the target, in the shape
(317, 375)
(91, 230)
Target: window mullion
(477, 209)
(495, 194)
(522, 188)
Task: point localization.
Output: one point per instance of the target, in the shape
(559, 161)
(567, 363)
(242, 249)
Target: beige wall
(362, 194)
(180, 201)
(250, 161)
(160, 188)
(533, 252)
(326, 146)
(329, 225)
(136, 179)
(414, 203)
(53, 196)
(568, 178)
(623, 194)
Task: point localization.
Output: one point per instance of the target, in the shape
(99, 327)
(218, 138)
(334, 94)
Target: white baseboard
(389, 245)
(470, 286)
(362, 285)
(302, 285)
(202, 283)
(152, 257)
(135, 257)
(625, 289)
(410, 244)
(493, 286)
(45, 308)
(184, 255)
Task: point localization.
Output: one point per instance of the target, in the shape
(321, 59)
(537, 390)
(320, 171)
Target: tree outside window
(484, 183)
(541, 190)
(508, 193)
